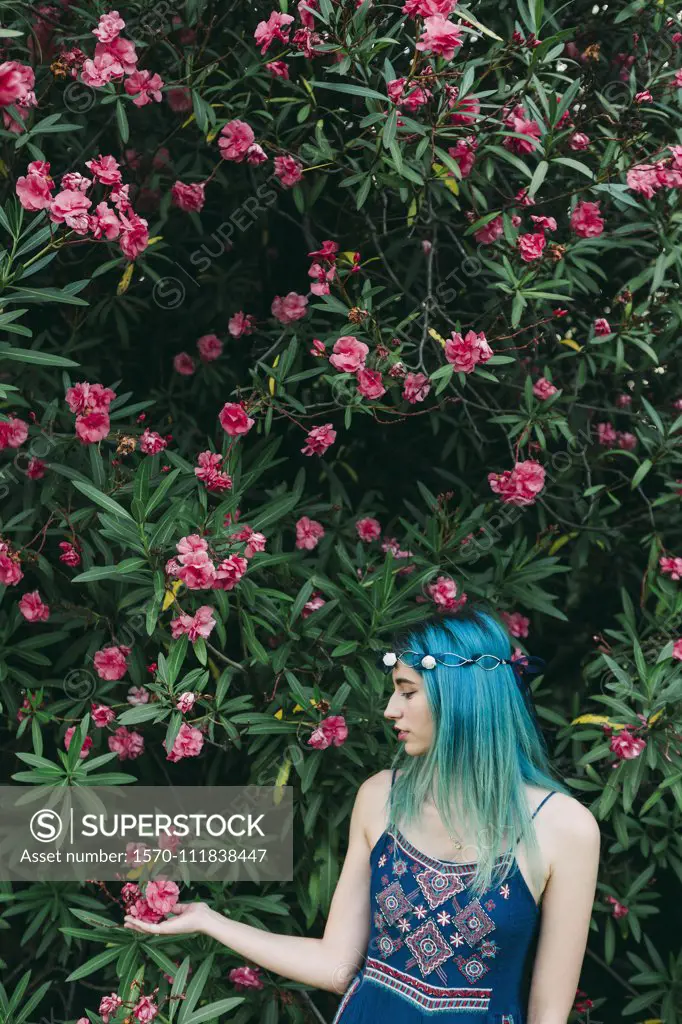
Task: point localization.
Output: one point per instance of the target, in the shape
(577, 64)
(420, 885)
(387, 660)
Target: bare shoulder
(371, 798)
(570, 828)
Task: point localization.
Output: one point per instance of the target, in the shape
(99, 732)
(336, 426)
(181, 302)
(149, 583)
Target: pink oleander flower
(626, 746)
(210, 347)
(643, 97)
(189, 197)
(33, 608)
(229, 572)
(108, 1006)
(101, 715)
(290, 307)
(201, 624)
(619, 910)
(144, 86)
(276, 27)
(517, 624)
(278, 68)
(348, 354)
(601, 326)
(16, 84)
(145, 1009)
(606, 434)
(122, 50)
(235, 139)
(87, 742)
(543, 388)
(209, 470)
(466, 110)
(188, 743)
(465, 353)
(234, 419)
(10, 570)
(70, 208)
(464, 152)
(332, 731)
(110, 662)
(490, 232)
(184, 364)
(255, 155)
(517, 121)
(440, 37)
(671, 565)
(151, 442)
(105, 169)
(586, 220)
(531, 246)
(245, 977)
(161, 895)
(521, 485)
(109, 27)
(288, 170)
(13, 432)
(101, 69)
(185, 701)
(416, 387)
(626, 440)
(138, 695)
(104, 223)
(36, 469)
(443, 592)
(370, 383)
(69, 555)
(308, 533)
(134, 234)
(368, 529)
(127, 744)
(544, 223)
(319, 439)
(34, 189)
(579, 141)
(677, 650)
(241, 323)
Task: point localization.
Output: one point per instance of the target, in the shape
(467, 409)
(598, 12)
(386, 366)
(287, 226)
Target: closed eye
(408, 693)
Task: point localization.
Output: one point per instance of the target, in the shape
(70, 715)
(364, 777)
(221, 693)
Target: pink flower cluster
(234, 419)
(70, 206)
(127, 743)
(33, 608)
(518, 121)
(443, 591)
(440, 37)
(467, 352)
(208, 469)
(517, 624)
(319, 439)
(241, 323)
(331, 731)
(201, 624)
(609, 437)
(188, 743)
(647, 179)
(323, 268)
(290, 307)
(111, 662)
(368, 529)
(671, 564)
(543, 388)
(17, 82)
(114, 59)
(246, 977)
(91, 404)
(13, 432)
(190, 197)
(10, 569)
(198, 572)
(348, 356)
(159, 899)
(586, 220)
(521, 485)
(237, 142)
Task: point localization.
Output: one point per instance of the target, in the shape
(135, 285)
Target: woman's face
(408, 710)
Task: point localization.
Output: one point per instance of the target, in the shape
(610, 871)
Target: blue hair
(487, 746)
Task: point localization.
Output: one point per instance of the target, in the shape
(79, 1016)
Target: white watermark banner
(134, 833)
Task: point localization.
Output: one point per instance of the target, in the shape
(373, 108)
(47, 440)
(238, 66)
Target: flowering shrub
(262, 238)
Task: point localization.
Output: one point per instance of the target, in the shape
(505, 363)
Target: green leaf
(568, 161)
(102, 499)
(539, 173)
(104, 572)
(141, 713)
(122, 122)
(641, 473)
(195, 988)
(352, 90)
(94, 964)
(29, 355)
(212, 1011)
(160, 492)
(43, 295)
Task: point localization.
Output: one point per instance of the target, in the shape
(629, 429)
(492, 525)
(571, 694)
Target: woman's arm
(566, 912)
(328, 963)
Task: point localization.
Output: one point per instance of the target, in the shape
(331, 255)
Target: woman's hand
(189, 917)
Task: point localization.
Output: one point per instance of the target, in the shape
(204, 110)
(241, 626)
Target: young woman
(475, 908)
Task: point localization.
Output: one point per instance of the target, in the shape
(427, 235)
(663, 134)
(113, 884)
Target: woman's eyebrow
(402, 679)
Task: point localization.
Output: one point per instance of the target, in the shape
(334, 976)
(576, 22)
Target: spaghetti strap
(544, 799)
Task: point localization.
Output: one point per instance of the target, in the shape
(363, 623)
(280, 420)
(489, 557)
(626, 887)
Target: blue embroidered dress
(434, 951)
